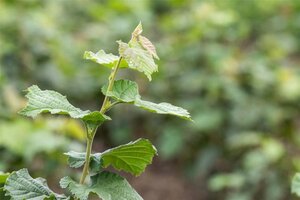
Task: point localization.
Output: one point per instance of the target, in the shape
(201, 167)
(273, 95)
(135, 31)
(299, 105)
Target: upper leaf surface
(108, 60)
(20, 185)
(296, 184)
(138, 58)
(123, 91)
(42, 101)
(132, 157)
(3, 177)
(127, 91)
(107, 185)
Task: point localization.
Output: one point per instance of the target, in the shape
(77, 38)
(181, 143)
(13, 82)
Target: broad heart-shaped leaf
(132, 157)
(138, 58)
(123, 91)
(107, 185)
(296, 184)
(43, 101)
(126, 91)
(20, 185)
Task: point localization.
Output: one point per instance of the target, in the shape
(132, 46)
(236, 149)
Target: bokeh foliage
(234, 64)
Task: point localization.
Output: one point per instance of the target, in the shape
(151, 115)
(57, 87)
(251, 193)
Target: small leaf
(101, 58)
(137, 58)
(75, 159)
(296, 184)
(123, 91)
(147, 44)
(20, 185)
(163, 108)
(107, 185)
(43, 101)
(137, 31)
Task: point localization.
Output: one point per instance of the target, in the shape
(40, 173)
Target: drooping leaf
(123, 91)
(147, 44)
(132, 157)
(20, 185)
(127, 92)
(107, 185)
(43, 101)
(163, 108)
(101, 58)
(296, 184)
(138, 58)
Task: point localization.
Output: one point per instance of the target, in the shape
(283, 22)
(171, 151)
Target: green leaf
(3, 177)
(123, 91)
(127, 92)
(163, 108)
(107, 185)
(296, 184)
(101, 58)
(43, 101)
(20, 185)
(75, 159)
(138, 58)
(132, 157)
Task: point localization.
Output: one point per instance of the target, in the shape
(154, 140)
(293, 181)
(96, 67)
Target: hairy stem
(110, 85)
(89, 144)
(90, 136)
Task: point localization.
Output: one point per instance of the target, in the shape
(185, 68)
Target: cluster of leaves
(241, 79)
(132, 157)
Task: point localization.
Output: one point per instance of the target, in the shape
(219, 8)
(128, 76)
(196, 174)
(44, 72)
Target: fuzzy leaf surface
(20, 185)
(138, 58)
(107, 185)
(101, 57)
(48, 101)
(132, 157)
(123, 91)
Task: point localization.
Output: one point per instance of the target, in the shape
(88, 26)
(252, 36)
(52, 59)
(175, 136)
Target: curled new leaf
(107, 185)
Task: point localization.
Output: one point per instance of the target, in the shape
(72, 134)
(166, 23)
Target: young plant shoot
(138, 54)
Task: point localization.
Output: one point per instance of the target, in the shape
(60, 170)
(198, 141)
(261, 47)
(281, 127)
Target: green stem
(89, 145)
(110, 85)
(91, 134)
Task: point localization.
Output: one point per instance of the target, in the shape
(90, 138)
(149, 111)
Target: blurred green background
(233, 63)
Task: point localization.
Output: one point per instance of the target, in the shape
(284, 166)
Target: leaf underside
(107, 185)
(126, 91)
(20, 185)
(48, 101)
